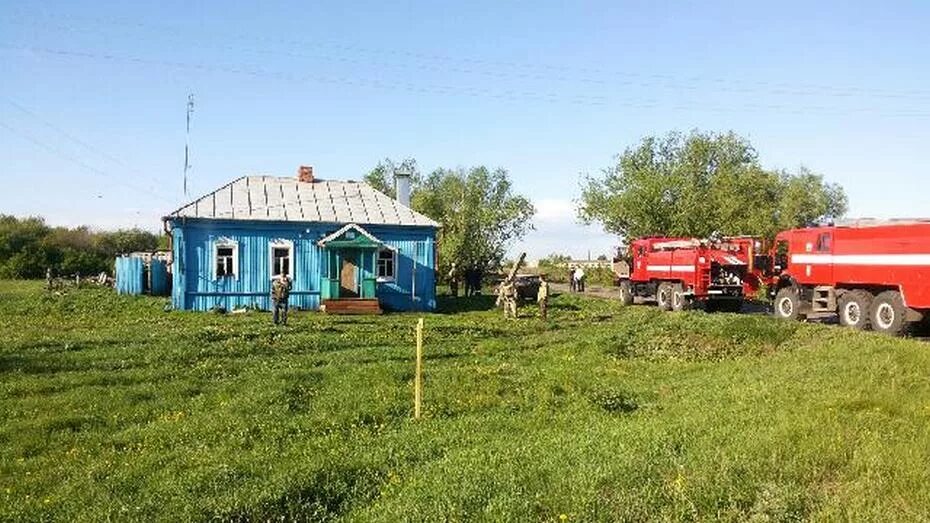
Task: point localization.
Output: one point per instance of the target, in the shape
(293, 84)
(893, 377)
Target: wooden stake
(418, 378)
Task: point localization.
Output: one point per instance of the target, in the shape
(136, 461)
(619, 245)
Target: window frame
(281, 244)
(226, 243)
(393, 276)
(824, 242)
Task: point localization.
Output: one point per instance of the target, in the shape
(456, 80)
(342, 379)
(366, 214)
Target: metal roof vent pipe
(402, 179)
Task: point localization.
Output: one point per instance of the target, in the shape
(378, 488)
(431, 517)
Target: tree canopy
(701, 183)
(479, 212)
(28, 246)
(381, 177)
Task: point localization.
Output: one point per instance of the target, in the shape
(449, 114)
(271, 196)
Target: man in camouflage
(542, 296)
(280, 293)
(507, 296)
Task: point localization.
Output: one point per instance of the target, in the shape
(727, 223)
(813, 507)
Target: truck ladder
(824, 299)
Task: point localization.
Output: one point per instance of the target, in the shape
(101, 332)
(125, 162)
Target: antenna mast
(187, 140)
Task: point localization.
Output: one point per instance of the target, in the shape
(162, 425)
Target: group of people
(507, 296)
(470, 277)
(576, 278)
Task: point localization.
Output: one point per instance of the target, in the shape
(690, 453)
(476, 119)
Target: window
(225, 254)
(781, 255)
(387, 262)
(823, 242)
(281, 253)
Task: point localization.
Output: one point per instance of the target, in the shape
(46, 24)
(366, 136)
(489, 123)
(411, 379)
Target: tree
(28, 246)
(381, 177)
(479, 213)
(701, 183)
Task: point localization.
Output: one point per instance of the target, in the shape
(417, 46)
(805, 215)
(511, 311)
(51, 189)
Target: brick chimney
(305, 174)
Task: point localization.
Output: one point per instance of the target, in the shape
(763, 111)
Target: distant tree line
(28, 246)
(696, 184)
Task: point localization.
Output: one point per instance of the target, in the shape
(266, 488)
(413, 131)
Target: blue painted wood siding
(129, 275)
(196, 288)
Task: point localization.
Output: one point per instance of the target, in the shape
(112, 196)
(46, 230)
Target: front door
(348, 275)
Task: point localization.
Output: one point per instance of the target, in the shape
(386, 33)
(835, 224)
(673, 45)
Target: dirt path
(591, 290)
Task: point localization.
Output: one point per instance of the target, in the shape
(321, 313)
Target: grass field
(112, 408)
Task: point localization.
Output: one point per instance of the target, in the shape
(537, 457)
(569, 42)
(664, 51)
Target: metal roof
(273, 198)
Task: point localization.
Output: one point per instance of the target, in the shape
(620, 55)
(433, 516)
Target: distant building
(343, 244)
(587, 264)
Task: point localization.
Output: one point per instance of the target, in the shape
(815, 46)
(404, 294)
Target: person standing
(507, 296)
(454, 281)
(466, 279)
(571, 278)
(280, 294)
(579, 279)
(542, 296)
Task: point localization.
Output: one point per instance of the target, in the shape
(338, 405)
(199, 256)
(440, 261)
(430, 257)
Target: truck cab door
(821, 268)
(638, 270)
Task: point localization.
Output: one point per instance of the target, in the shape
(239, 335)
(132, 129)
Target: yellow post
(418, 378)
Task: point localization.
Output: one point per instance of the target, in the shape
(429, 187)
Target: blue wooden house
(345, 245)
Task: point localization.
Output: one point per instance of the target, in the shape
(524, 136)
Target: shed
(142, 273)
(341, 242)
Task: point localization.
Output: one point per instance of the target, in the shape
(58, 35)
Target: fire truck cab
(872, 274)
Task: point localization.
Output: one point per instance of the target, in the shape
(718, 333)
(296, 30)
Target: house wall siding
(195, 287)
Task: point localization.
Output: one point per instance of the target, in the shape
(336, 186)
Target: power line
(342, 81)
(81, 143)
(317, 78)
(58, 152)
(595, 75)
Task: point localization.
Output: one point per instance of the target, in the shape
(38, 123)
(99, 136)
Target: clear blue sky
(93, 94)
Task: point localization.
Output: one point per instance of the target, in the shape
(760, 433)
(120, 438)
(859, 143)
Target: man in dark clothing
(280, 293)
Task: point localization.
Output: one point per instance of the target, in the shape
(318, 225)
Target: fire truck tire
(664, 296)
(887, 313)
(626, 293)
(854, 309)
(788, 304)
(679, 300)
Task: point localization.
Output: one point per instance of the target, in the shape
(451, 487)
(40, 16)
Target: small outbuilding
(345, 245)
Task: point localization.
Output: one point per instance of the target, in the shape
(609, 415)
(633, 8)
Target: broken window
(281, 260)
(387, 261)
(225, 255)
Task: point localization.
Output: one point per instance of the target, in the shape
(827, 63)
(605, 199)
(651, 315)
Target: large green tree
(480, 214)
(701, 183)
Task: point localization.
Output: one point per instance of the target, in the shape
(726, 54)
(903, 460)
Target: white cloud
(557, 231)
(554, 210)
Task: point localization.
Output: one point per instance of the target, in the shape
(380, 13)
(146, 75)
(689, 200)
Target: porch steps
(351, 306)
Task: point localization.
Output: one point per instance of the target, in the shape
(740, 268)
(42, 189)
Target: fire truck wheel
(788, 304)
(664, 296)
(679, 300)
(888, 312)
(854, 308)
(626, 293)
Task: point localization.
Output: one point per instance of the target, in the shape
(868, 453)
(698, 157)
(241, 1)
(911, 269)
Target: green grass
(111, 408)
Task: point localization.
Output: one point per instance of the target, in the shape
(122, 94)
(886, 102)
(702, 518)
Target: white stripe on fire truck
(670, 268)
(863, 259)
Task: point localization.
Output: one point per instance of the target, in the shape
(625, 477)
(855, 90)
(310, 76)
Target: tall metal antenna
(187, 141)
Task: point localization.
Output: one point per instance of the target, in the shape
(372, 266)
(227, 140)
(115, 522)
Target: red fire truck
(677, 272)
(873, 274)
